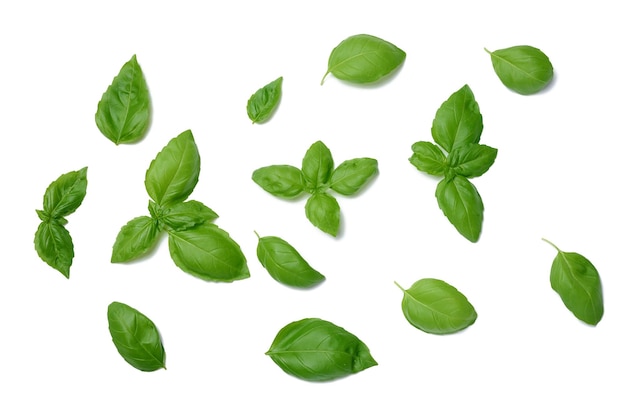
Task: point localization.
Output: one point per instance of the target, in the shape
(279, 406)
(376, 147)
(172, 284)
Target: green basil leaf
(65, 194)
(123, 114)
(54, 246)
(186, 215)
(209, 253)
(285, 264)
(317, 166)
(458, 121)
(262, 104)
(364, 59)
(460, 202)
(323, 211)
(136, 337)
(135, 239)
(351, 175)
(313, 349)
(435, 306)
(524, 69)
(283, 181)
(174, 172)
(472, 160)
(429, 158)
(578, 284)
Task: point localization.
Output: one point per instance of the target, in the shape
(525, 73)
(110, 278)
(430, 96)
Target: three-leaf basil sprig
(317, 177)
(456, 130)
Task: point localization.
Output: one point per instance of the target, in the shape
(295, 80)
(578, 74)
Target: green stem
(398, 285)
(551, 244)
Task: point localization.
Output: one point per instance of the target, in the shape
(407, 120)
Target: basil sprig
(264, 101)
(457, 156)
(317, 177)
(524, 69)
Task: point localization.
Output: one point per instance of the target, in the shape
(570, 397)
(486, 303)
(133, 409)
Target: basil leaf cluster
(196, 246)
(317, 177)
(53, 242)
(524, 69)
(457, 156)
(264, 101)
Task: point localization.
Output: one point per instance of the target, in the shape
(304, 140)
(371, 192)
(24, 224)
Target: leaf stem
(551, 244)
(398, 285)
(257, 235)
(487, 50)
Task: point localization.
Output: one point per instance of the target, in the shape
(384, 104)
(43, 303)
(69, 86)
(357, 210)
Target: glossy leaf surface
(65, 194)
(135, 239)
(472, 160)
(264, 101)
(524, 69)
(317, 166)
(54, 246)
(460, 202)
(317, 350)
(284, 181)
(351, 175)
(458, 121)
(188, 214)
(429, 158)
(322, 210)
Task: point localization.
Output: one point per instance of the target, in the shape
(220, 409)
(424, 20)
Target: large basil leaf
(209, 253)
(524, 69)
(317, 166)
(123, 113)
(283, 181)
(136, 337)
(351, 175)
(429, 158)
(285, 264)
(364, 59)
(458, 121)
(472, 160)
(186, 215)
(174, 172)
(578, 284)
(135, 239)
(322, 210)
(65, 194)
(262, 104)
(317, 350)
(435, 306)
(460, 202)
(54, 246)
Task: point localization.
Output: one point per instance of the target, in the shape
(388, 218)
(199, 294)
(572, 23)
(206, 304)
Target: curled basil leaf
(135, 239)
(284, 181)
(351, 175)
(429, 158)
(472, 160)
(313, 349)
(322, 210)
(317, 166)
(136, 337)
(263, 103)
(186, 215)
(462, 205)
(524, 69)
(54, 246)
(65, 194)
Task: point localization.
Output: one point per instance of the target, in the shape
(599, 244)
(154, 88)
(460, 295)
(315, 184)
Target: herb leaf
(317, 166)
(136, 337)
(284, 181)
(524, 69)
(429, 158)
(322, 210)
(460, 202)
(351, 175)
(472, 160)
(313, 349)
(435, 306)
(364, 59)
(458, 121)
(54, 246)
(262, 104)
(123, 114)
(64, 195)
(578, 284)
(135, 239)
(186, 215)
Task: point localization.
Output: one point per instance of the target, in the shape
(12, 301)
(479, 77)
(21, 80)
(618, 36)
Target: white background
(558, 174)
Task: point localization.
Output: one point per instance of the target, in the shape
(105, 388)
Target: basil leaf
(364, 59)
(578, 284)
(458, 121)
(135, 239)
(460, 202)
(472, 160)
(174, 172)
(283, 181)
(123, 114)
(65, 194)
(428, 157)
(322, 210)
(351, 175)
(285, 264)
(524, 69)
(54, 246)
(186, 215)
(136, 337)
(313, 349)
(435, 306)
(209, 253)
(262, 104)
(317, 166)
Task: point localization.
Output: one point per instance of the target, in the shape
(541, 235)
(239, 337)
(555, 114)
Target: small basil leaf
(313, 349)
(65, 194)
(351, 175)
(123, 114)
(285, 264)
(136, 337)
(460, 202)
(524, 69)
(317, 166)
(135, 239)
(364, 59)
(54, 246)
(174, 172)
(472, 160)
(435, 306)
(429, 158)
(323, 211)
(458, 121)
(188, 214)
(262, 104)
(209, 253)
(578, 284)
(283, 181)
